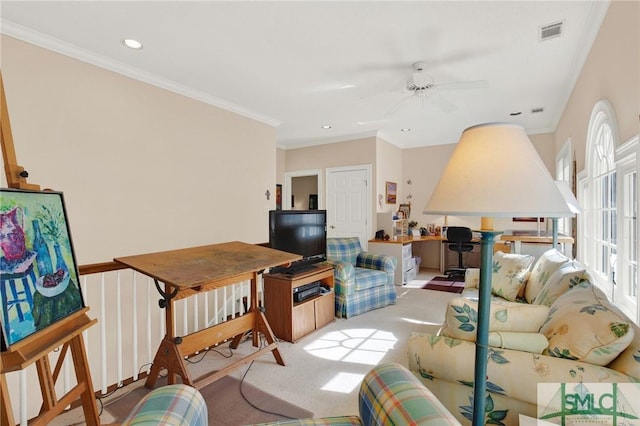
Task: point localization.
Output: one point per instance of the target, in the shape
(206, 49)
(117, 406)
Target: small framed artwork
(406, 209)
(38, 269)
(528, 219)
(278, 196)
(391, 188)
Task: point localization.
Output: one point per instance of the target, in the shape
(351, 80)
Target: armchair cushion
(344, 249)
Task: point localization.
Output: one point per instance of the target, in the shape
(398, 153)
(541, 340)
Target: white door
(349, 202)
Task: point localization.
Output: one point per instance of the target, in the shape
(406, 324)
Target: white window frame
(627, 156)
(564, 172)
(588, 248)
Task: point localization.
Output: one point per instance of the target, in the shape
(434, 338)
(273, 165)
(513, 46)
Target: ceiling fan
(422, 85)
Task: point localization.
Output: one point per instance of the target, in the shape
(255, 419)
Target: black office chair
(459, 238)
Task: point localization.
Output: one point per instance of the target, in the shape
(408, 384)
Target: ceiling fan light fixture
(132, 43)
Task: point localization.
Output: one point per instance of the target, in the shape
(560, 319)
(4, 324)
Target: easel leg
(83, 375)
(170, 358)
(6, 411)
(47, 384)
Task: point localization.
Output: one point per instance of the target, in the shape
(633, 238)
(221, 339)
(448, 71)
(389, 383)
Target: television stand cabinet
(290, 320)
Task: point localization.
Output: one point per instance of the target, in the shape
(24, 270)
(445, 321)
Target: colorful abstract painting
(39, 283)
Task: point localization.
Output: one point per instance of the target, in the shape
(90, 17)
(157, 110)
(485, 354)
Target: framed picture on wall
(38, 270)
(278, 196)
(391, 188)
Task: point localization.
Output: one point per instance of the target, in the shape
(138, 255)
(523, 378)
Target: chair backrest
(344, 249)
(459, 234)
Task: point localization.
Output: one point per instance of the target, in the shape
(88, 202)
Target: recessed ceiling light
(326, 127)
(513, 114)
(132, 44)
(405, 129)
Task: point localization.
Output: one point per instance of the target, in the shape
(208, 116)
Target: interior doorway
(303, 190)
(349, 202)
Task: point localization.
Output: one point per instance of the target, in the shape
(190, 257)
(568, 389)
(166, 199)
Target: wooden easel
(66, 333)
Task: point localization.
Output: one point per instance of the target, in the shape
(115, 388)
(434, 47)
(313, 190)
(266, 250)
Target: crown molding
(67, 49)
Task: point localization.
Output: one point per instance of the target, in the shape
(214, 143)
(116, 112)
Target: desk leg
(169, 358)
(263, 326)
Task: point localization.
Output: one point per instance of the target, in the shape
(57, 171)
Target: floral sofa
(548, 324)
(363, 281)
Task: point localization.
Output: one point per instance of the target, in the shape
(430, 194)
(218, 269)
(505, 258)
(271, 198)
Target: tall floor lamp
(494, 172)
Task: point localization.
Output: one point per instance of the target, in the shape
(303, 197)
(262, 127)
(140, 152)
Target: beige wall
(389, 167)
(611, 72)
(142, 169)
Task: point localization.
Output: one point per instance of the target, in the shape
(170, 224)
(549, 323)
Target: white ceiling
(299, 65)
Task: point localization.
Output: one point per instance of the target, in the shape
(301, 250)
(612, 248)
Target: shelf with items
(291, 320)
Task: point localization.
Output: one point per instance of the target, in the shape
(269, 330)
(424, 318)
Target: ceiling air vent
(550, 31)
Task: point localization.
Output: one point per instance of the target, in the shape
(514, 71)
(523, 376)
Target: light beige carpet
(226, 405)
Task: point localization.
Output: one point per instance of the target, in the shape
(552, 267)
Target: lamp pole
(482, 336)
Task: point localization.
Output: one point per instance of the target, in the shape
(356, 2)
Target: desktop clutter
(399, 225)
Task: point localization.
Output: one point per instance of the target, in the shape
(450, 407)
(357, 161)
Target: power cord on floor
(253, 405)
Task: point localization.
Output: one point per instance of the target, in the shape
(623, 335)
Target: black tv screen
(302, 232)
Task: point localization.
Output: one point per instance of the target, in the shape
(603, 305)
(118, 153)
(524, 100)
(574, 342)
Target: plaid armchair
(363, 281)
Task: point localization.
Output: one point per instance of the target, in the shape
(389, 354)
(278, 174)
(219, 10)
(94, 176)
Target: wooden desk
(186, 272)
(401, 249)
(542, 240)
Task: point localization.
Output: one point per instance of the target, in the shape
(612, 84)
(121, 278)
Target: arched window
(600, 221)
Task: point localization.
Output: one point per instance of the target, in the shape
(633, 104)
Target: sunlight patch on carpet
(343, 382)
(415, 321)
(360, 345)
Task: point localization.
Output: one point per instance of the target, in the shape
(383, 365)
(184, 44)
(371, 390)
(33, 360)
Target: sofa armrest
(344, 275)
(320, 421)
(172, 405)
(513, 373)
(472, 278)
(379, 262)
(391, 394)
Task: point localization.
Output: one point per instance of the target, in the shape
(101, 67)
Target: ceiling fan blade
(441, 103)
(395, 107)
(461, 85)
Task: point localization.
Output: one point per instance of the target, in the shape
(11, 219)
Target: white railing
(121, 347)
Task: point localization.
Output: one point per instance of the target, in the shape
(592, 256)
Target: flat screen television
(302, 232)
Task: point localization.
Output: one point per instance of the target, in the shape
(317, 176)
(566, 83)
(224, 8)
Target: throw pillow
(472, 278)
(584, 326)
(526, 342)
(461, 318)
(628, 362)
(510, 272)
(548, 263)
(565, 278)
